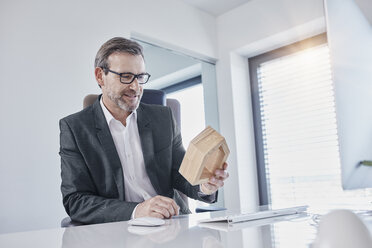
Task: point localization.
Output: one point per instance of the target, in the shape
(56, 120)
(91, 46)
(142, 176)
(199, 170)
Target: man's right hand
(157, 206)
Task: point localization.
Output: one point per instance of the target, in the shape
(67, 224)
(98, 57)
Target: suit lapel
(147, 143)
(104, 136)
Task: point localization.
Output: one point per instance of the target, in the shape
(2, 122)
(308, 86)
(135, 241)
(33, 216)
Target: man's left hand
(216, 181)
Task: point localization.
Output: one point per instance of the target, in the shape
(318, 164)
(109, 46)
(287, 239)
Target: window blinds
(299, 130)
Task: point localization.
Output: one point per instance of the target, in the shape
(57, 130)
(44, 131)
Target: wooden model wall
(206, 153)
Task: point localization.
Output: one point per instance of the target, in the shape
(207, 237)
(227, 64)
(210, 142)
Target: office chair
(149, 96)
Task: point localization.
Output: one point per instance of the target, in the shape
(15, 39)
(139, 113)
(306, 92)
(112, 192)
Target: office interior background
(47, 50)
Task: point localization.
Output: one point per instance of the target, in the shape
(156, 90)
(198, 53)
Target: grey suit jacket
(92, 176)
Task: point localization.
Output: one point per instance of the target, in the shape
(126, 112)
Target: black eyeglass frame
(129, 73)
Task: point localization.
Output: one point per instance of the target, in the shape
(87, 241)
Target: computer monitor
(350, 41)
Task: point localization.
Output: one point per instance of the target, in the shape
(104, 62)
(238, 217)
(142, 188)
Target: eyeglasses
(128, 77)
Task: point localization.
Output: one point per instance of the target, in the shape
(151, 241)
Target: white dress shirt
(137, 184)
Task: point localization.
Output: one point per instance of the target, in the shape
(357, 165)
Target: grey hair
(116, 45)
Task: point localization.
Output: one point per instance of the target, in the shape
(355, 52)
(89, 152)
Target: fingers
(208, 188)
(216, 181)
(164, 212)
(169, 204)
(222, 173)
(156, 215)
(163, 205)
(219, 176)
(166, 206)
(213, 184)
(224, 166)
(158, 206)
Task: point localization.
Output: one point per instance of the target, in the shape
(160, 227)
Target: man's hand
(216, 181)
(157, 206)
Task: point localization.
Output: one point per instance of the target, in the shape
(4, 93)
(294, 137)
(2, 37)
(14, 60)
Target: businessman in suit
(119, 157)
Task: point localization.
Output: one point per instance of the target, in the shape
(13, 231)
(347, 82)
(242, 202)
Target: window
(192, 118)
(295, 127)
(192, 111)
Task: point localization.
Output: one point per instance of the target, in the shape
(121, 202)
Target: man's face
(125, 96)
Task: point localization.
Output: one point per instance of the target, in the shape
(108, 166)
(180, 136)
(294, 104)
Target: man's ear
(98, 72)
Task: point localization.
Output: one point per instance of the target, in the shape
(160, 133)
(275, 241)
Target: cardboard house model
(206, 153)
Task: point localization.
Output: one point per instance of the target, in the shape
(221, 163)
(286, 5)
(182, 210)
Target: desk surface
(183, 231)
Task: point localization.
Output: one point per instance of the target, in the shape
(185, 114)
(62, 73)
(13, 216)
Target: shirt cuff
(134, 212)
(207, 198)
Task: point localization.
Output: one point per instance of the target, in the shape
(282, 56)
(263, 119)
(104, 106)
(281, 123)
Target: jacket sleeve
(80, 197)
(179, 182)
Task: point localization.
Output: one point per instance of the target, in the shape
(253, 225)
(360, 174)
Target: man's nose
(134, 85)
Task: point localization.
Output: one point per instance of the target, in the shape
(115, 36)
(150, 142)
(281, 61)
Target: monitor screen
(350, 41)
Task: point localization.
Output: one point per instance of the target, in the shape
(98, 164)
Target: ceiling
(219, 7)
(215, 7)
(366, 8)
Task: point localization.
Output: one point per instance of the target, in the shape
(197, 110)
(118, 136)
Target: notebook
(237, 218)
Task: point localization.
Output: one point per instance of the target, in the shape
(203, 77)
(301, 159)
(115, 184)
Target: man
(119, 157)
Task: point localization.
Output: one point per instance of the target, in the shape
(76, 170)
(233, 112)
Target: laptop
(242, 217)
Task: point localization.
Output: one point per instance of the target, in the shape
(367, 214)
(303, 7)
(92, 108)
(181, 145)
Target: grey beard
(121, 104)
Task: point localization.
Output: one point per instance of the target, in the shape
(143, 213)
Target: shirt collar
(109, 117)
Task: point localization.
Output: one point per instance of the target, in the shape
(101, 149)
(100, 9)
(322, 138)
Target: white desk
(178, 232)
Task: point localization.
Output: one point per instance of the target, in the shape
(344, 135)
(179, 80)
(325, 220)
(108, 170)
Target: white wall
(47, 50)
(256, 27)
(350, 46)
